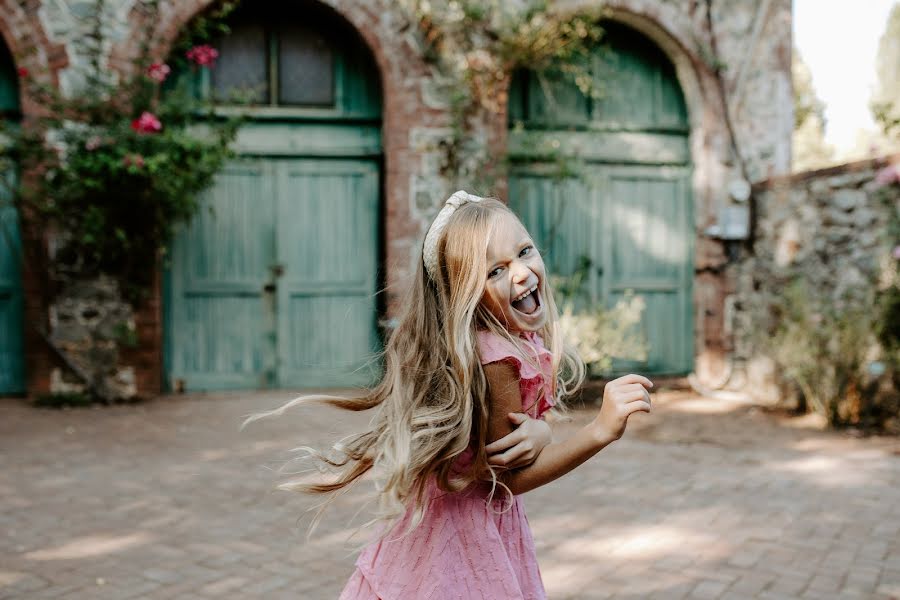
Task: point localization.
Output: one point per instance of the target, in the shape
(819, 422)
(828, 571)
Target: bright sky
(838, 39)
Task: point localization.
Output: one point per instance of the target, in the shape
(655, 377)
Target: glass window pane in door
(305, 67)
(240, 73)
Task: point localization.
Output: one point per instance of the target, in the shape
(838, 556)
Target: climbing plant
(115, 165)
(475, 46)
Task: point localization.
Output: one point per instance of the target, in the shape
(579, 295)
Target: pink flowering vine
(203, 55)
(93, 142)
(133, 160)
(158, 72)
(147, 123)
(888, 175)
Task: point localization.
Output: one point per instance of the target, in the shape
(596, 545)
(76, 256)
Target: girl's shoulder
(528, 352)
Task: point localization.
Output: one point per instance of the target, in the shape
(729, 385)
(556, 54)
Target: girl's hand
(522, 446)
(621, 398)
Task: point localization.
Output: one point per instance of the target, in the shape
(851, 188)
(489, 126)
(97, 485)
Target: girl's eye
(526, 250)
(494, 272)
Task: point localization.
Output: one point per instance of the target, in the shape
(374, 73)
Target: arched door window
(276, 61)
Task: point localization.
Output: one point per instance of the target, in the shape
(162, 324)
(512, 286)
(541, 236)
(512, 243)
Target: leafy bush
(600, 334)
(116, 165)
(831, 351)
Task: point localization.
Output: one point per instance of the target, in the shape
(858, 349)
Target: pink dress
(464, 548)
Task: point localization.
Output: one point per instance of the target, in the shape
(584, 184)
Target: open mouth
(528, 302)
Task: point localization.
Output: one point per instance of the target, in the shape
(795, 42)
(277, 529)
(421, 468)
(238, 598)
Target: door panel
(633, 226)
(273, 283)
(328, 230)
(649, 241)
(12, 365)
(220, 266)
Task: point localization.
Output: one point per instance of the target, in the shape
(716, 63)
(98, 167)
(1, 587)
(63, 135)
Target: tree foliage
(809, 148)
(885, 104)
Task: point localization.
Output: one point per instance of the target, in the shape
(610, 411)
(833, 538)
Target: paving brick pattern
(702, 499)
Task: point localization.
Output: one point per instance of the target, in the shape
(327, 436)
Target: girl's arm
(621, 398)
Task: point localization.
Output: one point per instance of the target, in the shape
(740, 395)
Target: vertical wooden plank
(220, 263)
(12, 363)
(327, 239)
(649, 253)
(12, 366)
(560, 214)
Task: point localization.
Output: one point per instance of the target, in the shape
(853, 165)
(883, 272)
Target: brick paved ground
(703, 499)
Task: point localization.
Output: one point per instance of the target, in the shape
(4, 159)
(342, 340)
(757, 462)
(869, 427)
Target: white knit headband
(429, 251)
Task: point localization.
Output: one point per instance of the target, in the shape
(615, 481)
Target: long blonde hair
(432, 399)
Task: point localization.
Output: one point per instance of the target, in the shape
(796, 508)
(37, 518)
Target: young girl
(476, 350)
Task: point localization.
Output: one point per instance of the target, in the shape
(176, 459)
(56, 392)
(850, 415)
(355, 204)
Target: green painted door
(273, 283)
(327, 240)
(12, 364)
(621, 201)
(274, 280)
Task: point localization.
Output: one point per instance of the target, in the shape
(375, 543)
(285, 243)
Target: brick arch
(24, 35)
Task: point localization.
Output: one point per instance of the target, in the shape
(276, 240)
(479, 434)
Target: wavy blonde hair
(432, 399)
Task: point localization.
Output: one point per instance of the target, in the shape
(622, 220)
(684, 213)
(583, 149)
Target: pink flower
(158, 72)
(888, 175)
(22, 72)
(204, 55)
(133, 160)
(93, 143)
(896, 252)
(146, 123)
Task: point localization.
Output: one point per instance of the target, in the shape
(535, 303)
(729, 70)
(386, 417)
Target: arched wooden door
(625, 206)
(12, 365)
(273, 284)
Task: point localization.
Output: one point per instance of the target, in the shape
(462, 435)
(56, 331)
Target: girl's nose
(520, 273)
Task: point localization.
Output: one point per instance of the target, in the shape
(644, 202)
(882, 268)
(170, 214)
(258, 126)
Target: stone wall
(753, 46)
(827, 227)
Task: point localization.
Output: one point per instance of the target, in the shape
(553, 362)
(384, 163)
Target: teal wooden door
(220, 266)
(275, 278)
(12, 364)
(622, 204)
(274, 283)
(327, 241)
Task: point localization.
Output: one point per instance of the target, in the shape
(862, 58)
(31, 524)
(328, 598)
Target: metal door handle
(269, 288)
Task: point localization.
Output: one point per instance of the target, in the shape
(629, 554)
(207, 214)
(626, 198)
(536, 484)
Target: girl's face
(515, 274)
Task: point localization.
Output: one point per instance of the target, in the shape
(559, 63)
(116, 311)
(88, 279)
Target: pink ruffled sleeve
(535, 384)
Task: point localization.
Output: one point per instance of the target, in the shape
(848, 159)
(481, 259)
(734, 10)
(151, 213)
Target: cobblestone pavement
(702, 499)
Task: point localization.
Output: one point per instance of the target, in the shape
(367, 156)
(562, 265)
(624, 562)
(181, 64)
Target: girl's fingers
(504, 443)
(508, 457)
(638, 395)
(632, 387)
(517, 418)
(633, 378)
(510, 439)
(634, 407)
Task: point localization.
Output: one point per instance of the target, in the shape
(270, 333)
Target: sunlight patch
(92, 545)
